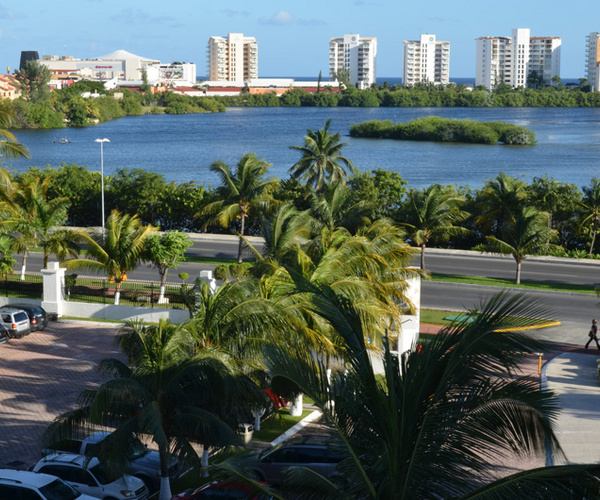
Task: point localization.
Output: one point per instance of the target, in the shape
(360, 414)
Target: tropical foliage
(116, 251)
(321, 161)
(164, 391)
(242, 194)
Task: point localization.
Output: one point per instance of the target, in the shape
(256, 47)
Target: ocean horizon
(392, 80)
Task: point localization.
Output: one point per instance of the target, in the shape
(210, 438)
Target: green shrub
(222, 272)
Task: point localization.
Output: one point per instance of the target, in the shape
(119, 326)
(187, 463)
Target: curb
(311, 417)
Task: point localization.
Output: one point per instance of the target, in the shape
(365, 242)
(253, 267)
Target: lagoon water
(182, 147)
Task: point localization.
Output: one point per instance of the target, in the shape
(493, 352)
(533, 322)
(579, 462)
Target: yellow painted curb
(532, 327)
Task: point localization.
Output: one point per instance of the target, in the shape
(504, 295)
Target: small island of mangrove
(437, 129)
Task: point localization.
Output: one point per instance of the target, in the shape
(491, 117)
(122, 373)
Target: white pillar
(53, 281)
(208, 277)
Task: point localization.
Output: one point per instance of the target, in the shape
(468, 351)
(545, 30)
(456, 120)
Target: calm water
(183, 147)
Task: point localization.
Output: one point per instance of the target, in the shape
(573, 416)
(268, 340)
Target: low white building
(120, 66)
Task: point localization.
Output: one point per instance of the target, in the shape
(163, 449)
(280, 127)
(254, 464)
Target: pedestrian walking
(593, 334)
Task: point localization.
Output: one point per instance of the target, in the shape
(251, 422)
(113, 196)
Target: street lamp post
(102, 141)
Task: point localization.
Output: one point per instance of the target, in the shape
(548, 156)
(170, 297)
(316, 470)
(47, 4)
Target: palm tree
(502, 201)
(528, 235)
(321, 160)
(165, 392)
(116, 252)
(435, 422)
(9, 147)
(241, 194)
(433, 213)
(591, 210)
(29, 213)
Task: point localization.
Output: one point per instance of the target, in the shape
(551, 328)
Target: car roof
(70, 458)
(11, 309)
(36, 479)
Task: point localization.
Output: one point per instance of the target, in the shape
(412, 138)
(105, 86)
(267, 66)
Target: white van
(15, 321)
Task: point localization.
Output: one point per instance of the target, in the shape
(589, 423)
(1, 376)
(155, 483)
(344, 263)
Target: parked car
(222, 489)
(38, 319)
(88, 476)
(313, 452)
(21, 484)
(142, 462)
(4, 337)
(15, 321)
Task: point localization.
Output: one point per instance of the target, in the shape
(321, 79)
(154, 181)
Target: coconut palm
(164, 392)
(528, 235)
(591, 211)
(321, 161)
(501, 201)
(34, 218)
(116, 252)
(242, 193)
(435, 422)
(433, 213)
(9, 146)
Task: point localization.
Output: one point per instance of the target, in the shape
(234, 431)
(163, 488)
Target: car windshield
(136, 449)
(103, 476)
(59, 490)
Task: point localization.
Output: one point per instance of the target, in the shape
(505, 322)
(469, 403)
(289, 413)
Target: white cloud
(281, 17)
(10, 14)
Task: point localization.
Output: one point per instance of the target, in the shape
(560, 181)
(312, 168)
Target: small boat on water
(62, 140)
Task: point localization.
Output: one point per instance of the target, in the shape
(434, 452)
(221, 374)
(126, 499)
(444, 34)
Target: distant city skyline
(293, 37)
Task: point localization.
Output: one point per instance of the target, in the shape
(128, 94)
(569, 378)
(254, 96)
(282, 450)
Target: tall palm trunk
(241, 244)
(24, 265)
(423, 257)
(518, 276)
(165, 484)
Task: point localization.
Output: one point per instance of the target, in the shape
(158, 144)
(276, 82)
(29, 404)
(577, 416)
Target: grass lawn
(276, 425)
(532, 285)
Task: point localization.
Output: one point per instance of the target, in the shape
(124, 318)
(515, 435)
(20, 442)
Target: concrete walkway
(573, 376)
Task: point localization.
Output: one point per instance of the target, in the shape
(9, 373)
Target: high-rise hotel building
(232, 59)
(426, 61)
(512, 60)
(356, 55)
(592, 70)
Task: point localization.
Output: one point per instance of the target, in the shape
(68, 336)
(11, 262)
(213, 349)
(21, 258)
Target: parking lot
(41, 376)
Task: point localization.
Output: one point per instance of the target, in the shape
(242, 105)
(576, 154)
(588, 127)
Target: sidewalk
(573, 376)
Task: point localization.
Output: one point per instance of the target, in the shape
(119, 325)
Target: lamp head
(102, 140)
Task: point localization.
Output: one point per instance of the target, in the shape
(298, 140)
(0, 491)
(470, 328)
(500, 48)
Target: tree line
(40, 107)
(450, 216)
(332, 280)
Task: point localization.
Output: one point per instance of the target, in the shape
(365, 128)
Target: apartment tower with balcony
(592, 56)
(517, 60)
(357, 56)
(426, 61)
(233, 58)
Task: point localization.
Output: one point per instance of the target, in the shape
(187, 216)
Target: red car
(220, 489)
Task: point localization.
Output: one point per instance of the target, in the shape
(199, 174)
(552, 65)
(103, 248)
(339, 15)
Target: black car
(38, 319)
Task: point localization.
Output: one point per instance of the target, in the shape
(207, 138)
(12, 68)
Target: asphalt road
(570, 309)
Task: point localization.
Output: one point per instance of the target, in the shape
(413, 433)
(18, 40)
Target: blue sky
(293, 36)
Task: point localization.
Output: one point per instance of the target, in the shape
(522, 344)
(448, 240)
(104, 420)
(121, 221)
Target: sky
(293, 36)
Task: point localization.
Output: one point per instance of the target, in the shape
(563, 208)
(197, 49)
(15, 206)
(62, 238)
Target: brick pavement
(41, 376)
